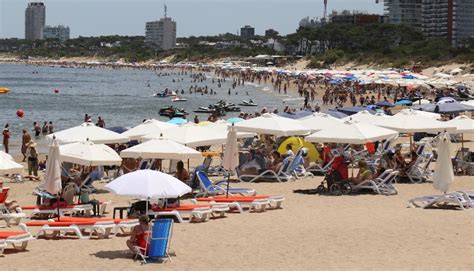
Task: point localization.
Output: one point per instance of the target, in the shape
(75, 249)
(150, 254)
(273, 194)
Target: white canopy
(148, 184)
(150, 126)
(88, 131)
(8, 166)
(407, 122)
(160, 149)
(192, 135)
(366, 117)
(470, 102)
(430, 115)
(87, 153)
(319, 121)
(463, 124)
(272, 124)
(351, 132)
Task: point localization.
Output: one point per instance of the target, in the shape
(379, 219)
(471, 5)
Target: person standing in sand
(6, 137)
(32, 155)
(25, 139)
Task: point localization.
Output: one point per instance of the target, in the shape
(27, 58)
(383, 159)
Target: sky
(193, 17)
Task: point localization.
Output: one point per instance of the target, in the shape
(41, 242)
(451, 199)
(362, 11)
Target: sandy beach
(310, 232)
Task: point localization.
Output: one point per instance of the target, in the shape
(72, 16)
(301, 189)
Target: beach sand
(310, 232)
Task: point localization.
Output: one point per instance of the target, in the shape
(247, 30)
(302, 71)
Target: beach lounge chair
(185, 213)
(102, 228)
(5, 214)
(296, 167)
(158, 244)
(255, 203)
(120, 224)
(208, 188)
(316, 169)
(459, 199)
(281, 176)
(52, 211)
(420, 172)
(382, 185)
(19, 240)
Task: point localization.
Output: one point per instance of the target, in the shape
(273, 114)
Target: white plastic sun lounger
(200, 214)
(12, 218)
(62, 211)
(460, 199)
(126, 226)
(19, 242)
(382, 185)
(102, 229)
(283, 175)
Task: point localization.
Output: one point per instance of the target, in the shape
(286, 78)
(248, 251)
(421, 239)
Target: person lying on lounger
(364, 173)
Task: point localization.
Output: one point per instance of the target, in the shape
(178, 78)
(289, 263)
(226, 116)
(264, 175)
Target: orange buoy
(20, 113)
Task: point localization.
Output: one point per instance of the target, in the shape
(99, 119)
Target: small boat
(4, 90)
(172, 112)
(165, 93)
(248, 103)
(178, 99)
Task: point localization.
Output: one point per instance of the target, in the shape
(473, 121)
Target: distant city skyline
(195, 18)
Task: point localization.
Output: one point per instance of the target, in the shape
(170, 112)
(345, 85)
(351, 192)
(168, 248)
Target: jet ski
(248, 103)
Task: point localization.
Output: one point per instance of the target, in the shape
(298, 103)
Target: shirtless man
(25, 139)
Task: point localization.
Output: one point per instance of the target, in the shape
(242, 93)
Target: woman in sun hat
(32, 156)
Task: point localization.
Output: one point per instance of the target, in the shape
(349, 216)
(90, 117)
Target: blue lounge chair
(158, 241)
(208, 188)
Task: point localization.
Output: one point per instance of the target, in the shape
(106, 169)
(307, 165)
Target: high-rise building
(35, 17)
(271, 33)
(404, 12)
(247, 32)
(450, 19)
(161, 34)
(59, 32)
(355, 17)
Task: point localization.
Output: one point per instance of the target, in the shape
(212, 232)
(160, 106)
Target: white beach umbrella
(351, 132)
(230, 161)
(191, 135)
(408, 122)
(8, 166)
(88, 131)
(366, 117)
(272, 124)
(52, 177)
(319, 121)
(463, 124)
(430, 115)
(150, 126)
(470, 102)
(223, 128)
(161, 149)
(443, 174)
(148, 184)
(87, 153)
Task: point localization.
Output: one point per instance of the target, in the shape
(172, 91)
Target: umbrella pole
(57, 206)
(228, 180)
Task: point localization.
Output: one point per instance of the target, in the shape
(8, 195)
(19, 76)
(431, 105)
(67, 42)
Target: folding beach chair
(158, 243)
(208, 188)
(296, 167)
(5, 214)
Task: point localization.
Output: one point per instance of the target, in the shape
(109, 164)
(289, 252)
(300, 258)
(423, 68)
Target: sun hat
(31, 144)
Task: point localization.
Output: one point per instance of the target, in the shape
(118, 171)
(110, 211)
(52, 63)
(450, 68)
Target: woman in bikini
(139, 235)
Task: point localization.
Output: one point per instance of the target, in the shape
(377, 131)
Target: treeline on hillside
(378, 43)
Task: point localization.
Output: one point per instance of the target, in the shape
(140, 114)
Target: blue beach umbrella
(354, 109)
(117, 129)
(177, 121)
(295, 115)
(336, 114)
(404, 102)
(385, 104)
(409, 77)
(234, 120)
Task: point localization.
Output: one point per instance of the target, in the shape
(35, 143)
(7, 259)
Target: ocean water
(120, 97)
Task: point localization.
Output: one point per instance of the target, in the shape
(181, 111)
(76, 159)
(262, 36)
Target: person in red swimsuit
(139, 235)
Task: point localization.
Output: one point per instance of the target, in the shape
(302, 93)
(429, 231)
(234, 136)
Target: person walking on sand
(25, 139)
(6, 137)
